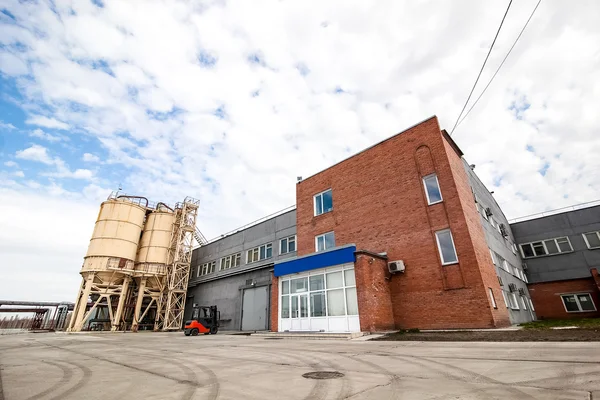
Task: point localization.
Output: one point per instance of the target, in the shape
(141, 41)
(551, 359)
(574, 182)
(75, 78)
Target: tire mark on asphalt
(555, 379)
(85, 378)
(67, 374)
(346, 384)
(213, 381)
(394, 380)
(320, 388)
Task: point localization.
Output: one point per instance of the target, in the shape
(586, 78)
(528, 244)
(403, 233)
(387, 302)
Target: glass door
(299, 312)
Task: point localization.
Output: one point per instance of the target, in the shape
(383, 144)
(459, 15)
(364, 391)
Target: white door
(299, 314)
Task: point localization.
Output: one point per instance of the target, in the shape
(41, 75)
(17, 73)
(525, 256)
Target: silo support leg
(138, 305)
(78, 319)
(120, 305)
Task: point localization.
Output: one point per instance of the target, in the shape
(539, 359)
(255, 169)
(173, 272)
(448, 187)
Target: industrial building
(561, 250)
(400, 235)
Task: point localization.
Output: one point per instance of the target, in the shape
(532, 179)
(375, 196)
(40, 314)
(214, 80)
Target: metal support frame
(171, 303)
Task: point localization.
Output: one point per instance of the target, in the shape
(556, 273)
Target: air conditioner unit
(488, 212)
(503, 230)
(524, 265)
(500, 281)
(522, 291)
(512, 287)
(396, 266)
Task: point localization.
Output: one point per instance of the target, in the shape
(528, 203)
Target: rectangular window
(285, 306)
(546, 247)
(432, 189)
(231, 261)
(287, 245)
(514, 304)
(317, 304)
(446, 247)
(325, 241)
(208, 268)
(323, 202)
(492, 298)
(578, 302)
(524, 303)
(592, 240)
(531, 305)
(505, 300)
(493, 256)
(259, 253)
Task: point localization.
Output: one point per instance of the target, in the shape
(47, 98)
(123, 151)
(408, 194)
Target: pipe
(133, 197)
(160, 203)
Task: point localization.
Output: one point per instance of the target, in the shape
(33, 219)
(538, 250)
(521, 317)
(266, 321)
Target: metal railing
(555, 211)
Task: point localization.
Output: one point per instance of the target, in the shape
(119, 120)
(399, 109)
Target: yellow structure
(137, 265)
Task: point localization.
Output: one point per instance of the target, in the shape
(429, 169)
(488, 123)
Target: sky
(229, 101)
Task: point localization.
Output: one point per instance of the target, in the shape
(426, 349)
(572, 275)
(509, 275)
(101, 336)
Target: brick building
(410, 201)
(562, 254)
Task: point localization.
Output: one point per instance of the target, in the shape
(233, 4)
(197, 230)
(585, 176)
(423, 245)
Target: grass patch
(555, 323)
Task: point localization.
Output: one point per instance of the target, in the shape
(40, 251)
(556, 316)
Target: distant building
(562, 255)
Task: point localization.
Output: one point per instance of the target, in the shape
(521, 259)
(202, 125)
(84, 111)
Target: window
(514, 304)
(287, 245)
(432, 189)
(446, 247)
(325, 241)
(259, 253)
(207, 268)
(504, 297)
(493, 256)
(323, 202)
(329, 295)
(231, 261)
(546, 247)
(531, 305)
(524, 303)
(492, 298)
(578, 302)
(513, 247)
(592, 240)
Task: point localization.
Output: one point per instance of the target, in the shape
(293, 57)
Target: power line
(481, 70)
(501, 64)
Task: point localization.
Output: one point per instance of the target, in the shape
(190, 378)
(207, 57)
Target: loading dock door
(255, 308)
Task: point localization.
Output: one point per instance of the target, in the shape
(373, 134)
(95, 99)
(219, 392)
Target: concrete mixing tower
(137, 265)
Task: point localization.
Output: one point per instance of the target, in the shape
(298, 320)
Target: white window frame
(207, 268)
(324, 241)
(586, 239)
(437, 182)
(577, 301)
(293, 237)
(232, 258)
(505, 299)
(514, 301)
(322, 207)
(257, 249)
(531, 304)
(493, 254)
(523, 302)
(437, 240)
(543, 242)
(492, 297)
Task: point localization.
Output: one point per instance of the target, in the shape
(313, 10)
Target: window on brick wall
(546, 247)
(325, 241)
(446, 247)
(581, 302)
(492, 298)
(432, 189)
(592, 240)
(323, 202)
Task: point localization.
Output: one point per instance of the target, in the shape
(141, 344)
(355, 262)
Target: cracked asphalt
(172, 366)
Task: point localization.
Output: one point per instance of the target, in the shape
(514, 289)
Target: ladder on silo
(171, 304)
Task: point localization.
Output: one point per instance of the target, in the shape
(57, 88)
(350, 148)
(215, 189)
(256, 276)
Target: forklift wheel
(195, 332)
(214, 330)
(186, 333)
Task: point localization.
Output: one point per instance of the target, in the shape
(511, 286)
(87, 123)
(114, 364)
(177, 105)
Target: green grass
(552, 323)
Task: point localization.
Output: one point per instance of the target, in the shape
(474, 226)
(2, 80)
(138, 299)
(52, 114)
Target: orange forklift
(205, 319)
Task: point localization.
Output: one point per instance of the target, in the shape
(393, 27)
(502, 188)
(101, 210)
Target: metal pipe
(134, 197)
(160, 203)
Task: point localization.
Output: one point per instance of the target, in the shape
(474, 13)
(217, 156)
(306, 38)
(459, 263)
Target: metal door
(254, 309)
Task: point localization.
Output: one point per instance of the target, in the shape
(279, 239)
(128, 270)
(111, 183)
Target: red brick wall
(274, 304)
(380, 205)
(548, 304)
(373, 293)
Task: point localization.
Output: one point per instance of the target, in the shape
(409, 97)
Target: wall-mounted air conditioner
(503, 230)
(488, 212)
(512, 287)
(522, 291)
(396, 266)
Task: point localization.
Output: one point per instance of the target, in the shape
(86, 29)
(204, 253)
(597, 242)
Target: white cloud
(88, 157)
(19, 174)
(35, 153)
(10, 164)
(6, 126)
(52, 123)
(12, 65)
(149, 97)
(38, 133)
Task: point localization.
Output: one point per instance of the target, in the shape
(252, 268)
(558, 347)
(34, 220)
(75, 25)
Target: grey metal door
(254, 309)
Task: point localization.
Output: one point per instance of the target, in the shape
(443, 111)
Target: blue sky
(230, 101)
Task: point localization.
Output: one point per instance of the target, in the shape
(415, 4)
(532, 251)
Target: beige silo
(152, 260)
(108, 265)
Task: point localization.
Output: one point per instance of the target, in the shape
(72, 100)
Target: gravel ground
(524, 335)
